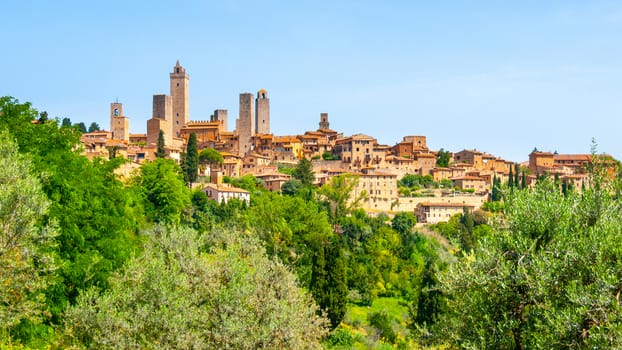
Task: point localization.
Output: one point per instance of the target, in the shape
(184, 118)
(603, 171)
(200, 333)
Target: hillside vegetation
(90, 261)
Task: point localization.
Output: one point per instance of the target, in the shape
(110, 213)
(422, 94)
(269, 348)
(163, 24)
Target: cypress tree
(328, 282)
(523, 184)
(192, 159)
(337, 285)
(160, 153)
(304, 172)
(319, 283)
(511, 179)
(516, 174)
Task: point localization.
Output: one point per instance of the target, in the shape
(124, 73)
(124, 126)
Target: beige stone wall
(154, 125)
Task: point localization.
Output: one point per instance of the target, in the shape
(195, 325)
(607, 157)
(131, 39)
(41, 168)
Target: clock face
(116, 112)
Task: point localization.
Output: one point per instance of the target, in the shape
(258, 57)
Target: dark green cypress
(523, 184)
(192, 159)
(337, 285)
(161, 152)
(511, 179)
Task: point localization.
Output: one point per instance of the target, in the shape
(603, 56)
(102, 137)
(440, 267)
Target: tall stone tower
(246, 122)
(119, 124)
(262, 112)
(179, 93)
(324, 121)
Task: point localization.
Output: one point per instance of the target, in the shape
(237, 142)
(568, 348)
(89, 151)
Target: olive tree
(26, 246)
(549, 276)
(180, 294)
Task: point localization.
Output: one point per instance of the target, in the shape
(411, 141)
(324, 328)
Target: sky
(503, 77)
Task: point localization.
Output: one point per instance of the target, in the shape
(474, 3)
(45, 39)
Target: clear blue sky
(500, 76)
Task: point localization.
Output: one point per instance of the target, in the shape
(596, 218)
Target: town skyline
(461, 75)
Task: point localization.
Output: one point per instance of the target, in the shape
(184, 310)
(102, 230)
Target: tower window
(177, 70)
(177, 84)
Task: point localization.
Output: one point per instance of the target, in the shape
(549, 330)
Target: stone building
(435, 212)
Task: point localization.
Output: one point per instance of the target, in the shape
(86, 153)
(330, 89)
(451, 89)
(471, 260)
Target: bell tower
(262, 112)
(179, 95)
(119, 124)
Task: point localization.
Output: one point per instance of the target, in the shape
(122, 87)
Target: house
(432, 213)
(472, 157)
(223, 193)
(477, 184)
(541, 162)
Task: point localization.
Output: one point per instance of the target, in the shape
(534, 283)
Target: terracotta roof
(445, 205)
(223, 188)
(575, 157)
(467, 178)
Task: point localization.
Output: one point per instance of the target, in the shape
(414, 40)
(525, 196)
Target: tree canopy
(183, 292)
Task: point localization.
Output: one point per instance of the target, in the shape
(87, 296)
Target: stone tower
(179, 94)
(119, 124)
(221, 115)
(324, 121)
(246, 122)
(161, 120)
(262, 112)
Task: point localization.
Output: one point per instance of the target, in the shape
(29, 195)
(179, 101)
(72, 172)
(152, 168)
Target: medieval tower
(246, 123)
(119, 124)
(221, 115)
(262, 112)
(179, 95)
(324, 121)
(161, 120)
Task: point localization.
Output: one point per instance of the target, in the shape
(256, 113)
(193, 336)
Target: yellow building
(432, 213)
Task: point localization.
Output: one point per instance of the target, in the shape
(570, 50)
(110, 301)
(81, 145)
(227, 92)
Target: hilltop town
(462, 179)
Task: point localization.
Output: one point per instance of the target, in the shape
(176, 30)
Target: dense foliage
(191, 292)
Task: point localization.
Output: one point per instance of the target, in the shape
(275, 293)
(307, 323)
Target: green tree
(210, 156)
(291, 187)
(43, 117)
(303, 172)
(27, 257)
(96, 215)
(403, 223)
(161, 187)
(66, 122)
(328, 282)
(80, 127)
(442, 158)
(337, 285)
(547, 278)
(511, 179)
(516, 174)
(523, 183)
(192, 159)
(177, 296)
(339, 193)
(496, 189)
(160, 152)
(94, 127)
